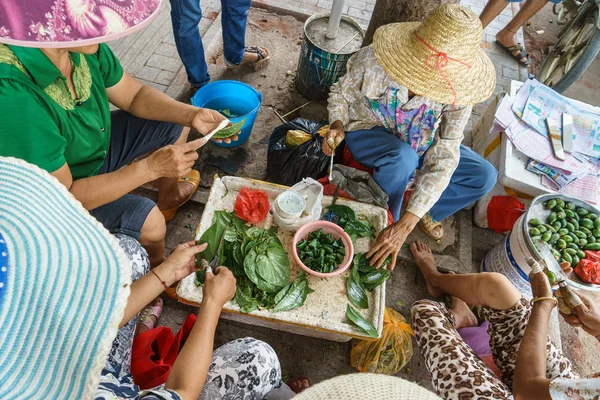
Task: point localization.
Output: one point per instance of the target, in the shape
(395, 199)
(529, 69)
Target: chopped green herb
(321, 252)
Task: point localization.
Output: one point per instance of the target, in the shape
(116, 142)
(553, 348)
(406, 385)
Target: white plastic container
(290, 204)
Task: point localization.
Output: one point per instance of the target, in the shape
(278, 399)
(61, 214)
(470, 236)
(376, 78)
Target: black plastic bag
(288, 166)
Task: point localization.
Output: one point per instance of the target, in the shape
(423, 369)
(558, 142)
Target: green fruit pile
(568, 230)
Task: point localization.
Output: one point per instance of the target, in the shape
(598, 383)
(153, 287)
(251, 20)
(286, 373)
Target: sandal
(262, 62)
(518, 57)
(155, 310)
(298, 384)
(192, 177)
(428, 225)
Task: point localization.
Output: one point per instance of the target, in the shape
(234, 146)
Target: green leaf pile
(353, 226)
(258, 261)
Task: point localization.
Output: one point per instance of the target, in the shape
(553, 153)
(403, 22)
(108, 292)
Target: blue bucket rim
(228, 81)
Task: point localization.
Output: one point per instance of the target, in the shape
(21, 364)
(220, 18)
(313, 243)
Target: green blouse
(42, 123)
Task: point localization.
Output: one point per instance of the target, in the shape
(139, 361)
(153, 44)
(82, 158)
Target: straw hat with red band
(439, 58)
(69, 23)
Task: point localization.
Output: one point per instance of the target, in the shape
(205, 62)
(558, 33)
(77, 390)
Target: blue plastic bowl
(242, 101)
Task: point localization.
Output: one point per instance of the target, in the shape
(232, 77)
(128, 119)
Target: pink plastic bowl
(337, 233)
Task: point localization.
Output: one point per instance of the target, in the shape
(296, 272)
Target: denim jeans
(186, 15)
(394, 162)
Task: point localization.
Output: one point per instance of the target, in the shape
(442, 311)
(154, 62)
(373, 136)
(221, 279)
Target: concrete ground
(151, 56)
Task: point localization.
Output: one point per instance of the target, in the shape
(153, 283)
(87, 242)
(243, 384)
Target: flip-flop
(192, 177)
(428, 225)
(296, 380)
(262, 62)
(517, 57)
(145, 317)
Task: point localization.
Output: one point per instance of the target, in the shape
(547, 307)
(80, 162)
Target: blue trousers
(186, 15)
(394, 162)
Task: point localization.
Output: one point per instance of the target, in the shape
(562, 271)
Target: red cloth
(154, 353)
(349, 161)
(503, 212)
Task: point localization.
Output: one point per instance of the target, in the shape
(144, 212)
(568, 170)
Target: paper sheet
(544, 103)
(585, 189)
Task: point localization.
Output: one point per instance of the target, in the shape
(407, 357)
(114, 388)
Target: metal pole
(334, 19)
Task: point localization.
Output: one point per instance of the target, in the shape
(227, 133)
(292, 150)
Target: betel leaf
(356, 292)
(374, 278)
(360, 322)
(362, 263)
(344, 213)
(295, 296)
(244, 298)
(356, 228)
(229, 131)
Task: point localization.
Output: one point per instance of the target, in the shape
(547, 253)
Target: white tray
(323, 314)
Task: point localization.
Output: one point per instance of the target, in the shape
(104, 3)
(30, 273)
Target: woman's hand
(335, 133)
(585, 316)
(174, 160)
(540, 285)
(390, 240)
(205, 121)
(180, 263)
(219, 287)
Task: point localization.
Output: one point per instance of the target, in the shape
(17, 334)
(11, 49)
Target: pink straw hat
(69, 23)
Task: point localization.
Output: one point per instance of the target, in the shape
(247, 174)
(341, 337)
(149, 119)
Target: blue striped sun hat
(64, 283)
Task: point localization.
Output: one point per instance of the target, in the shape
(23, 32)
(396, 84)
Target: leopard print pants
(456, 371)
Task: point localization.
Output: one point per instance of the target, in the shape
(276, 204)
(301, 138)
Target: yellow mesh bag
(391, 352)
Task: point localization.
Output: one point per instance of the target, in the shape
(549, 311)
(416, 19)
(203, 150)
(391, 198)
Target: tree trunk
(388, 11)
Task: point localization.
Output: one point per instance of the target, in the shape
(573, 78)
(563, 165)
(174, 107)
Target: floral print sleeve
(338, 102)
(440, 161)
(575, 389)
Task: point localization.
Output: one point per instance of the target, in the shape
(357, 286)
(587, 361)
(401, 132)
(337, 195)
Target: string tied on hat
(441, 62)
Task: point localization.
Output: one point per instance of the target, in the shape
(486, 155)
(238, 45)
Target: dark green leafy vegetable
(375, 278)
(361, 322)
(229, 131)
(356, 292)
(353, 226)
(257, 260)
(295, 296)
(321, 252)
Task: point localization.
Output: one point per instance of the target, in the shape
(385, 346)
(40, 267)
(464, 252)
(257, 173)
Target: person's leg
(393, 162)
(507, 35)
(133, 137)
(473, 178)
(244, 368)
(185, 17)
(234, 14)
(120, 353)
(492, 9)
(138, 217)
(456, 371)
(502, 306)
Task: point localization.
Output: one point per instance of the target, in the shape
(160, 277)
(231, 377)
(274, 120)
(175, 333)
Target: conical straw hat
(439, 58)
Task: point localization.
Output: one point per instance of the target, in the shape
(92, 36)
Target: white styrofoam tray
(324, 312)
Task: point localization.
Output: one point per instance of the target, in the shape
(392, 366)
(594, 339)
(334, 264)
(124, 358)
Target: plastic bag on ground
(289, 165)
(360, 185)
(391, 352)
(312, 191)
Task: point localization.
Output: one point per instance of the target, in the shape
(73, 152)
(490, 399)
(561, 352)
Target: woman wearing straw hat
(404, 103)
(65, 290)
(57, 80)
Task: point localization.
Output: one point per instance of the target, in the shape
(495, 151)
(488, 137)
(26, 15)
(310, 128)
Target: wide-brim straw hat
(70, 23)
(366, 386)
(64, 284)
(439, 58)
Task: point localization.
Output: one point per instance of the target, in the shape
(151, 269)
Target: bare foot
(463, 315)
(298, 384)
(507, 38)
(424, 259)
(170, 200)
(148, 317)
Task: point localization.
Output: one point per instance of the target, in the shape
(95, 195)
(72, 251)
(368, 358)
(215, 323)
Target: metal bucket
(323, 61)
(509, 256)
